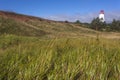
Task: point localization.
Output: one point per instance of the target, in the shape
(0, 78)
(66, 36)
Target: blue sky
(71, 10)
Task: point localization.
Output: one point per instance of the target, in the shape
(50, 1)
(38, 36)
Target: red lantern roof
(102, 12)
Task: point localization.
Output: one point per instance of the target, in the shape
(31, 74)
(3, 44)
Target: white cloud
(85, 17)
(112, 15)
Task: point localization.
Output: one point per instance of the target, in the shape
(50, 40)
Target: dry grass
(64, 59)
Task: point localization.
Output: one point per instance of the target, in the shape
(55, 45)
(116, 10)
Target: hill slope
(24, 25)
(13, 23)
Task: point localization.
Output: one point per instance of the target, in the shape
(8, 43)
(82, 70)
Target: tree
(78, 22)
(66, 21)
(98, 25)
(115, 26)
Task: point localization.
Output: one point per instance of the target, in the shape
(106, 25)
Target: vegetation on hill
(23, 25)
(18, 24)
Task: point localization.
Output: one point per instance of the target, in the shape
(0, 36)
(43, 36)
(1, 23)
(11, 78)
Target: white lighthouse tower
(102, 16)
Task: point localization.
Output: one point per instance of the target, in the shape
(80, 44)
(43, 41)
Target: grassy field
(41, 49)
(31, 58)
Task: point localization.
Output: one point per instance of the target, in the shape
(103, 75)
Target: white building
(102, 16)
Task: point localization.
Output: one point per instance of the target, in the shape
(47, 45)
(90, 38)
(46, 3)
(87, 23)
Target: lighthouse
(102, 16)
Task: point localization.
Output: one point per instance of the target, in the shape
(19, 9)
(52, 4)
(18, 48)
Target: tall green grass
(25, 58)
